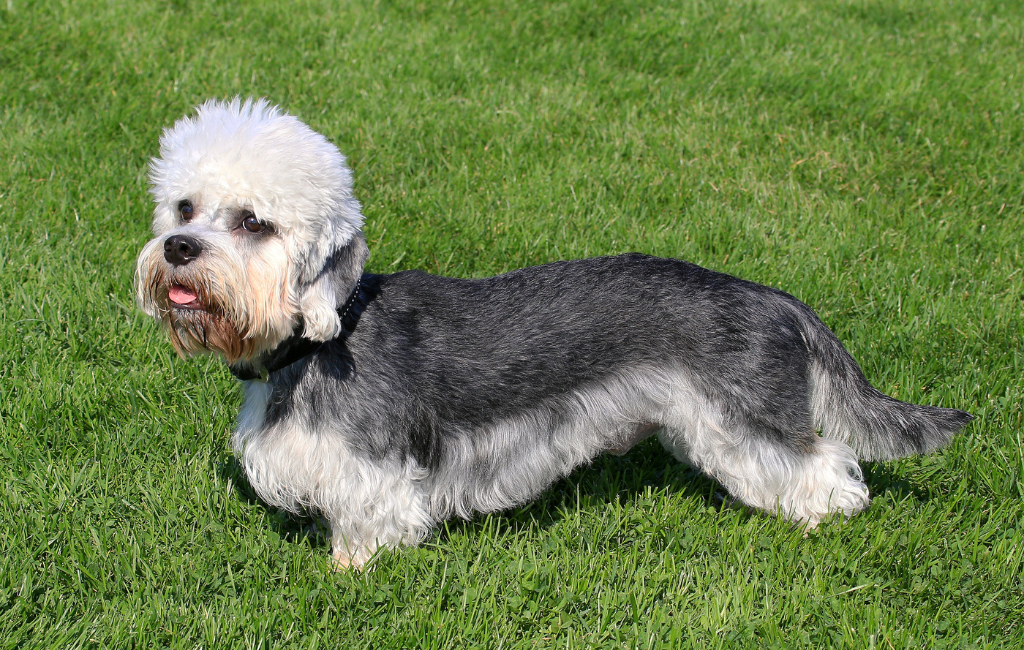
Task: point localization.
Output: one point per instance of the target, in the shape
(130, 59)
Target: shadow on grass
(882, 480)
(646, 468)
(305, 528)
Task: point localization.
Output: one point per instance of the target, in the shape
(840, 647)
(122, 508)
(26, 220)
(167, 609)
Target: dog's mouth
(182, 297)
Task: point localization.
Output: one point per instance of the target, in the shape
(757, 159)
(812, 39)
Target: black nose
(179, 250)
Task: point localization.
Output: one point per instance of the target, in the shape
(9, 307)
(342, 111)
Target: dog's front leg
(348, 553)
(380, 506)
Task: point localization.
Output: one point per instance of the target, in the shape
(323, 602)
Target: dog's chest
(286, 463)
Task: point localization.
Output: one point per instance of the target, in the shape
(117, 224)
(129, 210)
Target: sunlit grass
(864, 156)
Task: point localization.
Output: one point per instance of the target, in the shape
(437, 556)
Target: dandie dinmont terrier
(391, 402)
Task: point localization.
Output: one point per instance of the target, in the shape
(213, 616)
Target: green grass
(864, 155)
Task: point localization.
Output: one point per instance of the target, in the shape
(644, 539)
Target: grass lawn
(866, 156)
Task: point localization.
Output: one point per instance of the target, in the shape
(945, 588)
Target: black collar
(297, 347)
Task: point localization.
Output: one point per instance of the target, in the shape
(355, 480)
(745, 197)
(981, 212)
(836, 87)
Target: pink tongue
(180, 295)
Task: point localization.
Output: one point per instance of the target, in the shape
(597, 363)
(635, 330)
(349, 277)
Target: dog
(389, 403)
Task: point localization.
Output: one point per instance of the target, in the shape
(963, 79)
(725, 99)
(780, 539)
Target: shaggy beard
(201, 331)
(197, 330)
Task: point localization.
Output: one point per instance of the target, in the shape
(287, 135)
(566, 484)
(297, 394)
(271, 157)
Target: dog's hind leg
(804, 478)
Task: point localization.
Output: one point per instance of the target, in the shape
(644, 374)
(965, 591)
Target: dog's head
(256, 231)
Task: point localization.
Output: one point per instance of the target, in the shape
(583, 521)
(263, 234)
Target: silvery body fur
(455, 396)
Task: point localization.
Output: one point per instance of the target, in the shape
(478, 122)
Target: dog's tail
(846, 407)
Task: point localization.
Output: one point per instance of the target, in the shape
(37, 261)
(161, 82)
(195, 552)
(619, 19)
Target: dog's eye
(185, 210)
(251, 223)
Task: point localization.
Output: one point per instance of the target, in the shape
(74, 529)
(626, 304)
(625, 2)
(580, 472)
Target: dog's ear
(321, 298)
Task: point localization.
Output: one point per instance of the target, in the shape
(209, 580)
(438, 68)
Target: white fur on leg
(805, 487)
(377, 507)
(829, 481)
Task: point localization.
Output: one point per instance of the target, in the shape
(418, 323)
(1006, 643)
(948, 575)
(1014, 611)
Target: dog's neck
(297, 347)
